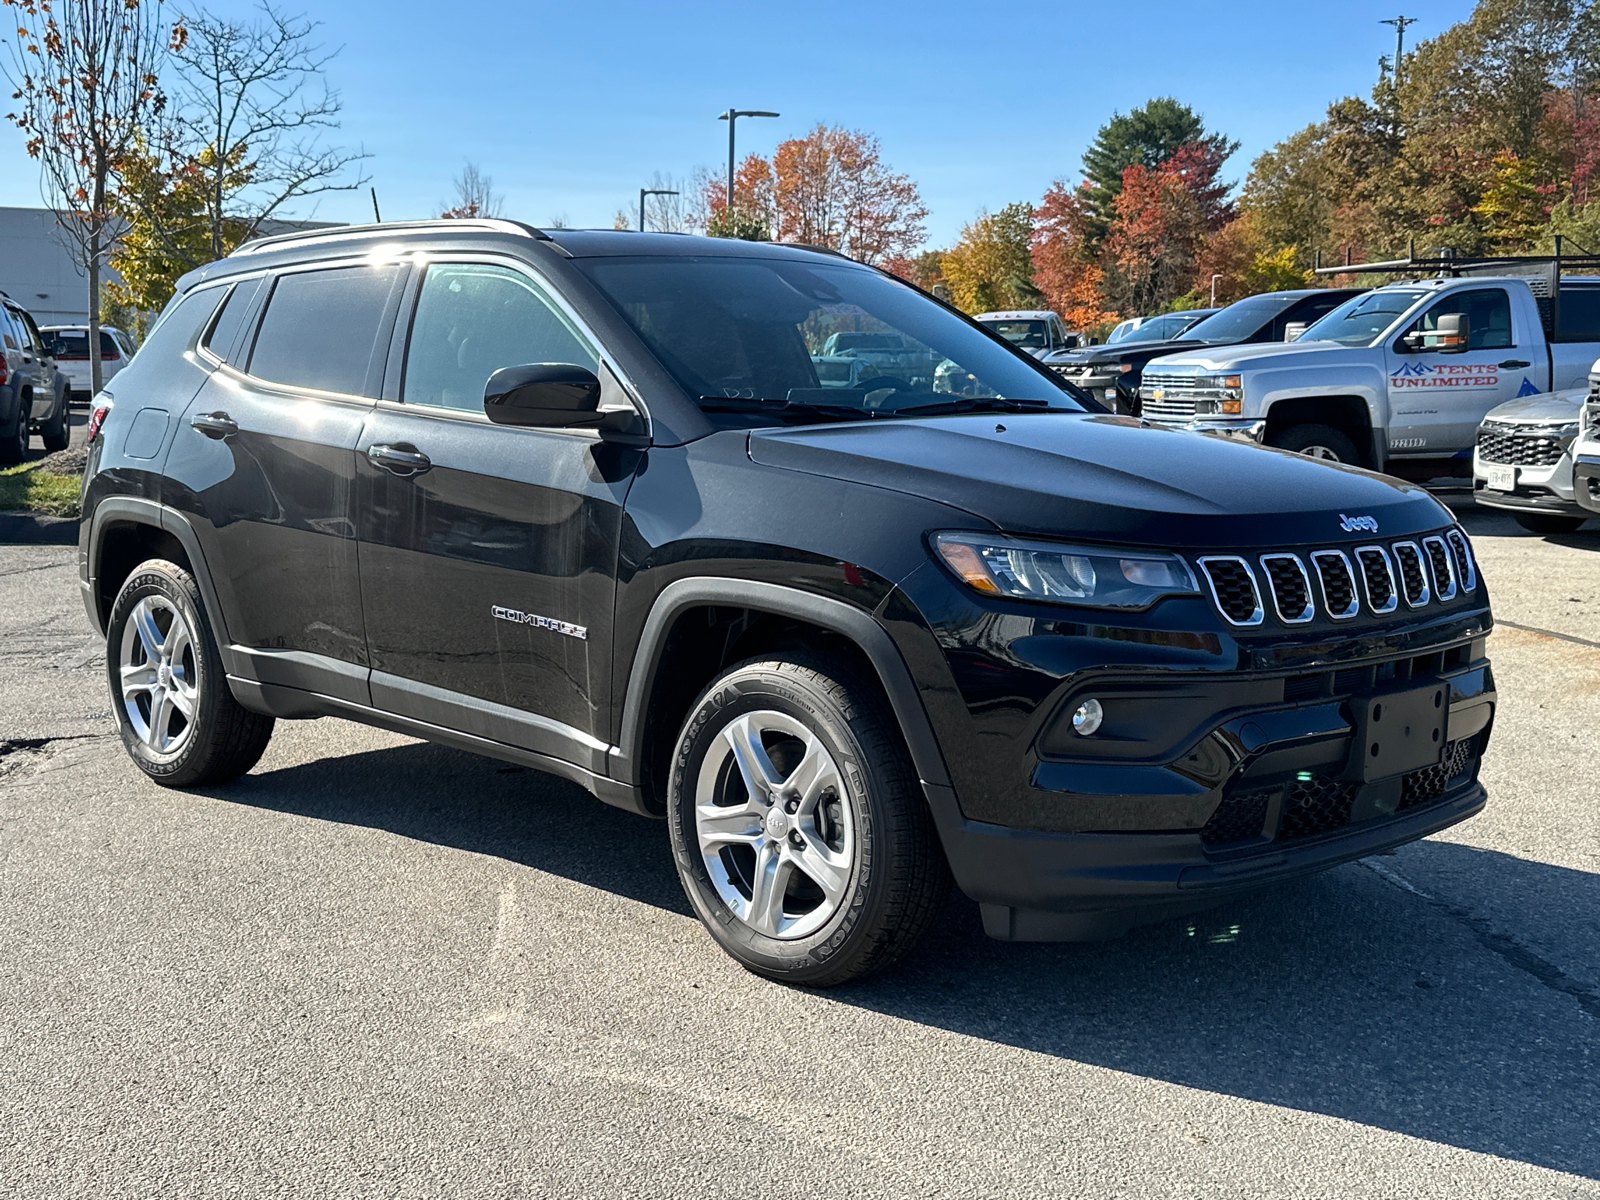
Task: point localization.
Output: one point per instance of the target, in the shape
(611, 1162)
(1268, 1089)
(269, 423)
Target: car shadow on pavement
(1344, 994)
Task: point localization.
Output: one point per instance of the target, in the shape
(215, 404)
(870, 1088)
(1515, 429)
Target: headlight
(1222, 394)
(1090, 576)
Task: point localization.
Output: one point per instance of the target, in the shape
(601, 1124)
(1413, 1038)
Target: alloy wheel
(1323, 452)
(774, 825)
(159, 677)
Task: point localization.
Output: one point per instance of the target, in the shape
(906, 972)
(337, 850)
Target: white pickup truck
(1396, 379)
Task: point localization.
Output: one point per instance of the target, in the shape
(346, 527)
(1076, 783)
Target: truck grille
(1177, 402)
(1506, 444)
(1296, 588)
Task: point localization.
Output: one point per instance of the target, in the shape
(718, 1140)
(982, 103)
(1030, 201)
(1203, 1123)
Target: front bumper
(1544, 489)
(1272, 791)
(1586, 482)
(1239, 429)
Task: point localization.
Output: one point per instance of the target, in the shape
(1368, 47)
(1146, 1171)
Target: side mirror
(1453, 335)
(548, 395)
(1293, 330)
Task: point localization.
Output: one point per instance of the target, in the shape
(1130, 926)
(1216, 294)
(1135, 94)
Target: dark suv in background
(580, 500)
(33, 393)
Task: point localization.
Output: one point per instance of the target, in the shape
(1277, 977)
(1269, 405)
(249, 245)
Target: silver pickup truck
(1396, 379)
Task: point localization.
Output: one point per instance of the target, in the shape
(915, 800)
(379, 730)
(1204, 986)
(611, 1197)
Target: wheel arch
(712, 621)
(125, 531)
(1350, 414)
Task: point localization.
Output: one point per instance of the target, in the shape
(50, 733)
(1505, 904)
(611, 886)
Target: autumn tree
(85, 75)
(991, 266)
(1066, 264)
(831, 188)
(753, 215)
(1145, 137)
(1164, 217)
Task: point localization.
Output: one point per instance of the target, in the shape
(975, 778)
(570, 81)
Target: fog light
(1088, 717)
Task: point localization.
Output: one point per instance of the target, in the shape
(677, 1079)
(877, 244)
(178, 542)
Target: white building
(37, 269)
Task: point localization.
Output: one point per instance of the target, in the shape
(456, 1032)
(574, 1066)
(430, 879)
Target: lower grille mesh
(1314, 806)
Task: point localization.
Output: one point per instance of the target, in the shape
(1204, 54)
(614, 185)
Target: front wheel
(178, 720)
(14, 445)
(1547, 523)
(797, 825)
(1317, 441)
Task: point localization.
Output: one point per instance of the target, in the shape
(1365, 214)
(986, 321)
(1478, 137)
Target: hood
(1121, 352)
(1256, 355)
(1545, 407)
(1102, 478)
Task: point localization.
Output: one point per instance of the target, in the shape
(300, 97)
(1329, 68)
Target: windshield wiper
(779, 406)
(964, 404)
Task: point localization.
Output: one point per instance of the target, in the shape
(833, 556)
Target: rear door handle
(215, 424)
(1512, 364)
(399, 460)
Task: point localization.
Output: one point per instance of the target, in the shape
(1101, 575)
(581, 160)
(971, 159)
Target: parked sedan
(69, 344)
(1523, 460)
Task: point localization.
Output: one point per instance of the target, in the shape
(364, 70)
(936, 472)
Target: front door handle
(215, 424)
(399, 460)
(1513, 364)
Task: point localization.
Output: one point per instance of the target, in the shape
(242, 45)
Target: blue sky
(571, 108)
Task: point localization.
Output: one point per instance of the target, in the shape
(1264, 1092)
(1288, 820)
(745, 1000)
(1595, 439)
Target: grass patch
(27, 487)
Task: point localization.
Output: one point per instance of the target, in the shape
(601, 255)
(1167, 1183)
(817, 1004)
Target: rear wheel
(1317, 441)
(57, 431)
(1548, 522)
(178, 720)
(798, 828)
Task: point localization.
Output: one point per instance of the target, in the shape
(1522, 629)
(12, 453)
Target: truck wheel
(799, 831)
(1548, 522)
(178, 720)
(57, 433)
(1317, 441)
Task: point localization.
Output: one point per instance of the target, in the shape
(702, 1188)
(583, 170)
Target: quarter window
(321, 328)
(234, 310)
(472, 320)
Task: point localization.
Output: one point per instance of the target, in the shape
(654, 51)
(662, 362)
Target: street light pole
(731, 117)
(643, 192)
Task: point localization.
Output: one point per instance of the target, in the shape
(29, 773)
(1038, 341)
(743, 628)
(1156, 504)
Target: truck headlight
(1088, 576)
(1220, 394)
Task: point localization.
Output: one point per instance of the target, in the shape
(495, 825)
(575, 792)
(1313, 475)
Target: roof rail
(343, 232)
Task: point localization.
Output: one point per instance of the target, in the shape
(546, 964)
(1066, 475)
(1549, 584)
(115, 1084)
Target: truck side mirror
(1293, 330)
(1454, 334)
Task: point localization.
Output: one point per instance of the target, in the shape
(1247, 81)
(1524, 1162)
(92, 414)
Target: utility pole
(731, 117)
(643, 192)
(1399, 24)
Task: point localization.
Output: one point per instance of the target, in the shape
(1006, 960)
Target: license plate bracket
(1501, 479)
(1399, 731)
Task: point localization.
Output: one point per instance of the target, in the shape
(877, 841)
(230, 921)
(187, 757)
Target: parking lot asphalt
(376, 967)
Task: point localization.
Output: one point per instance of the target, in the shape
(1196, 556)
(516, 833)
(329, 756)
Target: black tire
(1318, 441)
(57, 431)
(1547, 523)
(14, 445)
(897, 878)
(222, 739)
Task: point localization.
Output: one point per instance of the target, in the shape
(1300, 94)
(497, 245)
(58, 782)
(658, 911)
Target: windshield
(1026, 335)
(746, 334)
(1239, 320)
(1361, 319)
(1160, 329)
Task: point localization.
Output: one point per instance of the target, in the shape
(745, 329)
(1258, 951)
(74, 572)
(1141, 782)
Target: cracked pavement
(375, 967)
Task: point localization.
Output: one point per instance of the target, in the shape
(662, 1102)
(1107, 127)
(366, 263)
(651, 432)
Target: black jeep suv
(580, 501)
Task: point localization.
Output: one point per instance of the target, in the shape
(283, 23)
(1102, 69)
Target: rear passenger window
(321, 328)
(472, 319)
(234, 310)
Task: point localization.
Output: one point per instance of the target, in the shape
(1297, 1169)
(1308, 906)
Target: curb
(36, 529)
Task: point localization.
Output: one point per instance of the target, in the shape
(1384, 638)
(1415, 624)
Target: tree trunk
(94, 312)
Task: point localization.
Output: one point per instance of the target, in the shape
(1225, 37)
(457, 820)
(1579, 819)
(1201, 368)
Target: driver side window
(1488, 313)
(473, 319)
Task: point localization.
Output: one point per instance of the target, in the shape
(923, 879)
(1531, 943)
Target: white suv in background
(1586, 452)
(69, 346)
(1523, 460)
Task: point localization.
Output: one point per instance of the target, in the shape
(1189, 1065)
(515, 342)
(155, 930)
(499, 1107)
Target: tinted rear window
(321, 328)
(1580, 315)
(234, 310)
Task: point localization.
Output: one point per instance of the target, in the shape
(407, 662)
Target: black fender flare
(138, 510)
(856, 624)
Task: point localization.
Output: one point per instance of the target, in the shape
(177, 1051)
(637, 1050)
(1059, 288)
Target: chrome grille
(1466, 570)
(1177, 401)
(1291, 588)
(1233, 587)
(1444, 577)
(1338, 584)
(1413, 579)
(1298, 586)
(1377, 574)
(1510, 445)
